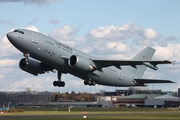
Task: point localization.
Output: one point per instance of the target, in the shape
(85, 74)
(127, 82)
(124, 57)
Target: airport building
(131, 91)
(43, 99)
(15, 98)
(141, 97)
(131, 97)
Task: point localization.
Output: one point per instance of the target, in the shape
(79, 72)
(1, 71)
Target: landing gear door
(34, 37)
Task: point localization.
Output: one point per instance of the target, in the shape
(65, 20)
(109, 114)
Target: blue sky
(122, 27)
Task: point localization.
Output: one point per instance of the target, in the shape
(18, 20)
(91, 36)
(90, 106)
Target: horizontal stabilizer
(151, 81)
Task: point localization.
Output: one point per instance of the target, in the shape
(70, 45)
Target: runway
(64, 116)
(60, 116)
(112, 115)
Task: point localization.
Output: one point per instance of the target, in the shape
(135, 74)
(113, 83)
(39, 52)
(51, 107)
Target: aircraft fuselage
(53, 54)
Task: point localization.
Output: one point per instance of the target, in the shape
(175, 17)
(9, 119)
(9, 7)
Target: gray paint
(54, 54)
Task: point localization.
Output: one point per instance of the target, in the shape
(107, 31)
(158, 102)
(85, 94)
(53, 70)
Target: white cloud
(150, 34)
(8, 63)
(115, 33)
(33, 28)
(22, 81)
(7, 48)
(7, 22)
(34, 21)
(64, 33)
(117, 47)
(104, 43)
(39, 2)
(129, 33)
(171, 51)
(54, 21)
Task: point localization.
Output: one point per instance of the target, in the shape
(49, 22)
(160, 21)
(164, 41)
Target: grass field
(93, 114)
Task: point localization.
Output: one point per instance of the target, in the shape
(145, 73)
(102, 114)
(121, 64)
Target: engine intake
(32, 67)
(80, 63)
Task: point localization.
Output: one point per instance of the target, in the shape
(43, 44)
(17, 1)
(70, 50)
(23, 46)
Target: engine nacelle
(80, 63)
(31, 66)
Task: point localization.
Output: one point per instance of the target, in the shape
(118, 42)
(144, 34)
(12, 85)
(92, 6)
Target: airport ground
(93, 114)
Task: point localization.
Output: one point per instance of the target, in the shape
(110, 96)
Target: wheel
(62, 84)
(89, 82)
(85, 82)
(93, 83)
(59, 83)
(55, 83)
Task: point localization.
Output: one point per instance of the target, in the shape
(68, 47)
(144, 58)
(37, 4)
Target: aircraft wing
(150, 81)
(133, 63)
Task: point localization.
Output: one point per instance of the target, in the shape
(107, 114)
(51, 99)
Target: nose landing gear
(26, 55)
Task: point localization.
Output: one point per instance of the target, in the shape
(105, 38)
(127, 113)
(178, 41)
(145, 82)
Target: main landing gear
(59, 83)
(89, 82)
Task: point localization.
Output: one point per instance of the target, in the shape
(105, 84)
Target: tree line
(76, 97)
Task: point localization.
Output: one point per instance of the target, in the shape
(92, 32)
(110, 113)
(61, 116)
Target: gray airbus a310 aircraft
(50, 55)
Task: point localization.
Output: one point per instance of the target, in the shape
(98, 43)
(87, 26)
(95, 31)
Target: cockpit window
(19, 31)
(15, 31)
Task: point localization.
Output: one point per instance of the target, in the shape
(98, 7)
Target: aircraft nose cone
(10, 36)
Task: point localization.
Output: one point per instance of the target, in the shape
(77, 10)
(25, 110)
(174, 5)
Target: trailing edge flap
(106, 63)
(150, 81)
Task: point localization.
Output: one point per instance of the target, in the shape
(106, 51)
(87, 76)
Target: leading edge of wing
(106, 63)
(151, 81)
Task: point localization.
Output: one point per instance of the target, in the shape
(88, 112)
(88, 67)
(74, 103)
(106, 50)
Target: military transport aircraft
(50, 55)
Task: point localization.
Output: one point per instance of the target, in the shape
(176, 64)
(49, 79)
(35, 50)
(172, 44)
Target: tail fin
(146, 54)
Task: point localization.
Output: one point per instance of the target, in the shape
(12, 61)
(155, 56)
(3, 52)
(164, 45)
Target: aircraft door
(34, 37)
(36, 40)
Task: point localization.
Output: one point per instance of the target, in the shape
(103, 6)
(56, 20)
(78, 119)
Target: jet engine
(31, 66)
(80, 63)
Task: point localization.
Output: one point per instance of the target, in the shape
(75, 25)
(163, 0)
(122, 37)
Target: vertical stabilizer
(146, 54)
